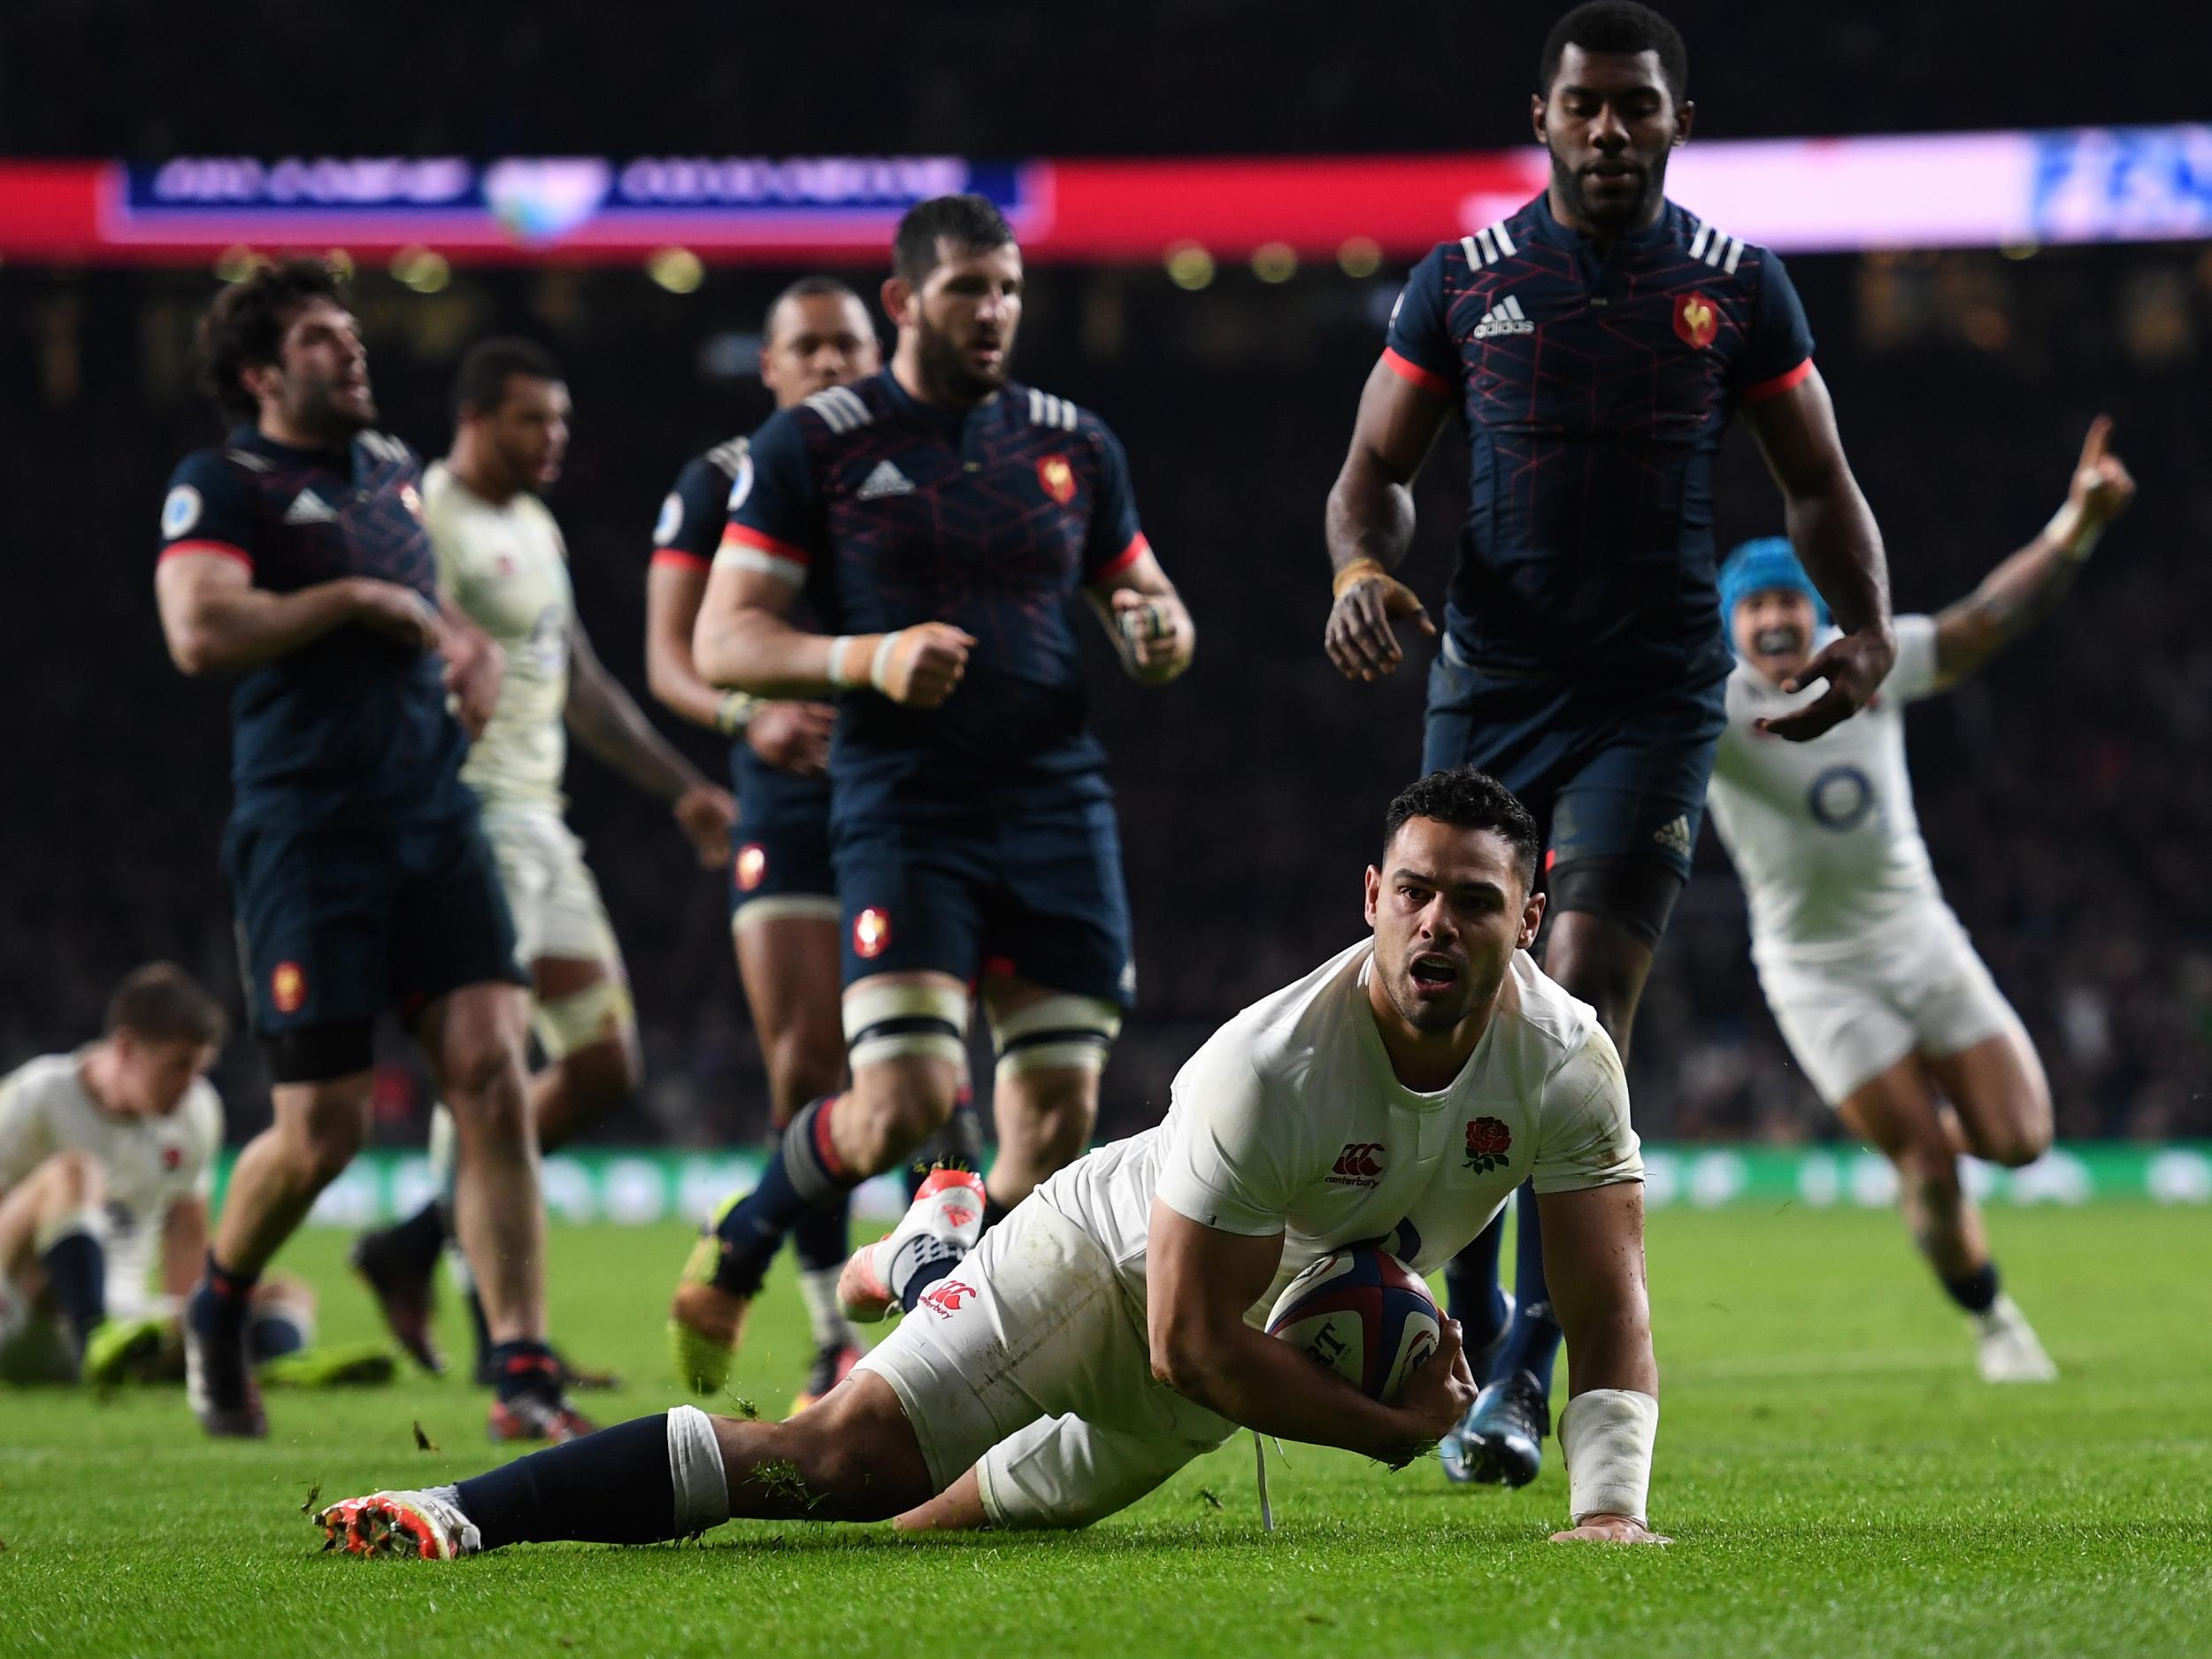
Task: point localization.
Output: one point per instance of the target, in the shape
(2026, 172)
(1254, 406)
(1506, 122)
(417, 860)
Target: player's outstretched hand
(1436, 1396)
(707, 815)
(1157, 632)
(1610, 1529)
(1853, 666)
(398, 613)
(1359, 638)
(922, 663)
(2102, 486)
(793, 737)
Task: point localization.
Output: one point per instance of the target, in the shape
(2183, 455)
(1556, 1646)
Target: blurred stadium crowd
(2067, 794)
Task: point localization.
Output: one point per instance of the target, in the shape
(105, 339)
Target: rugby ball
(1363, 1314)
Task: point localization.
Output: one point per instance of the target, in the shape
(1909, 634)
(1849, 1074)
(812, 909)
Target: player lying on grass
(1875, 985)
(1104, 1335)
(106, 1156)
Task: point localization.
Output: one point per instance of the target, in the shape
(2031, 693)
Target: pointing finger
(2093, 447)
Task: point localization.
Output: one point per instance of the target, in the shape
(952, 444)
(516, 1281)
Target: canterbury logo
(887, 479)
(944, 1298)
(1358, 1164)
(1504, 318)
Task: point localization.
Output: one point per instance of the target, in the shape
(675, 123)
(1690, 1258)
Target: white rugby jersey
(1823, 833)
(150, 1162)
(507, 567)
(1290, 1119)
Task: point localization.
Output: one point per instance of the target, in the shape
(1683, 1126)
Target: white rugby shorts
(1031, 1360)
(1923, 990)
(551, 890)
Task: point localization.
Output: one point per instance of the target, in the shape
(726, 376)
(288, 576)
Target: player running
(1872, 979)
(1596, 345)
(1108, 1332)
(937, 517)
(107, 1155)
(501, 557)
(783, 893)
(295, 559)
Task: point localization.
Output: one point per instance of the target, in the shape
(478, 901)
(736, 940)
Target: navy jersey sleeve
(1779, 352)
(696, 513)
(774, 521)
(1419, 346)
(209, 509)
(1115, 541)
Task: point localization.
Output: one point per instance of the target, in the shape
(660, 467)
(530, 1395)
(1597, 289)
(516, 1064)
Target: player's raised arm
(1200, 1281)
(1370, 519)
(1834, 533)
(2023, 590)
(607, 721)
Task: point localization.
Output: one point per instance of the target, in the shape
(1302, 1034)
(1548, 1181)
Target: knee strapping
(696, 1472)
(1058, 1033)
(601, 1012)
(890, 1022)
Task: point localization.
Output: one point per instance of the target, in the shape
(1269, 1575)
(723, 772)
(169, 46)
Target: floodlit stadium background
(1218, 201)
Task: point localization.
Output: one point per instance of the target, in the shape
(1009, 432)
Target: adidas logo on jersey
(1504, 318)
(887, 479)
(308, 508)
(1674, 835)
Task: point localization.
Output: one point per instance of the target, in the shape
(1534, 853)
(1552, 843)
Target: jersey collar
(1548, 229)
(250, 437)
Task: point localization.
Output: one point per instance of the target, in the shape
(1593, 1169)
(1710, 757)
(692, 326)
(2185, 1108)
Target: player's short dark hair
(161, 1002)
(480, 383)
(970, 222)
(1621, 27)
(807, 287)
(244, 327)
(1468, 799)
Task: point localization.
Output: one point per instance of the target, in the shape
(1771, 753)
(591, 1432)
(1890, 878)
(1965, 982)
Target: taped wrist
(1358, 571)
(735, 712)
(852, 659)
(1608, 1435)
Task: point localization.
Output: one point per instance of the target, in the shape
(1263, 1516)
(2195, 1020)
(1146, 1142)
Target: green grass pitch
(1836, 1480)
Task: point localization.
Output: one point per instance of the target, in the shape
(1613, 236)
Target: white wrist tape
(837, 674)
(695, 1469)
(1608, 1434)
(880, 661)
(2072, 532)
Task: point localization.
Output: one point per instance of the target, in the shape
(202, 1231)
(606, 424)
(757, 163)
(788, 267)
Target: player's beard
(947, 374)
(1610, 216)
(316, 409)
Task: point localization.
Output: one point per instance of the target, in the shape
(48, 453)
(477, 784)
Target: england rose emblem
(1489, 1142)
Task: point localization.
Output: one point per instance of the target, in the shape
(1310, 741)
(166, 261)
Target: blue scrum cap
(1755, 567)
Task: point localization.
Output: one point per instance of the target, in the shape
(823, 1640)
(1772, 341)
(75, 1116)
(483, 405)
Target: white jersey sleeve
(1586, 1139)
(1223, 1160)
(25, 1138)
(1913, 675)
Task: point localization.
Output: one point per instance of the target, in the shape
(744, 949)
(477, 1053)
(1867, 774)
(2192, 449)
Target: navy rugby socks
(1977, 1293)
(77, 1273)
(1532, 1343)
(1471, 1288)
(803, 1173)
(613, 1486)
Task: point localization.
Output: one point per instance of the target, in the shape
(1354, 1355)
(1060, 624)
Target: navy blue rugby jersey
(352, 729)
(1594, 392)
(886, 512)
